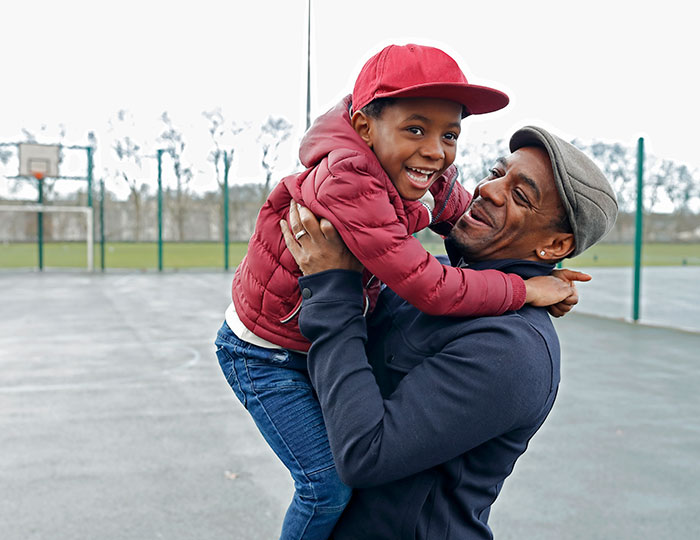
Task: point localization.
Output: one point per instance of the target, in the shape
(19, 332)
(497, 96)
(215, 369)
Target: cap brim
(475, 99)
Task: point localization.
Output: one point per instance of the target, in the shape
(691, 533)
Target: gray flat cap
(586, 194)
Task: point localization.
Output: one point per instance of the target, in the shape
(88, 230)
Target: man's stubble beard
(457, 250)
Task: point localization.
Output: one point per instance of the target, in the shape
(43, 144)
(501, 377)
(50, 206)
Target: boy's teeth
(419, 174)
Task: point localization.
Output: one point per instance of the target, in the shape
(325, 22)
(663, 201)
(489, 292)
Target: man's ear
(362, 124)
(559, 246)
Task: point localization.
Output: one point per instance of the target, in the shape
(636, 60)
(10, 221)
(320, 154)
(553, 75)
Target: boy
(379, 167)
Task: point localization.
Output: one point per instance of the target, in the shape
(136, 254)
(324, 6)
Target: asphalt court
(116, 423)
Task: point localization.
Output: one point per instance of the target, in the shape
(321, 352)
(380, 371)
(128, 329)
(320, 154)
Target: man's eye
(494, 173)
(522, 197)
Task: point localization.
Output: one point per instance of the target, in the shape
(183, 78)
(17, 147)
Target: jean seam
(233, 375)
(235, 351)
(291, 453)
(269, 419)
(331, 466)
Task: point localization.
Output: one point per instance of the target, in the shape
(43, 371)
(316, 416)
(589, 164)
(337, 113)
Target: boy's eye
(451, 136)
(415, 130)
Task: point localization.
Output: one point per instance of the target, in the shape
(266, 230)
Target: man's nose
(492, 190)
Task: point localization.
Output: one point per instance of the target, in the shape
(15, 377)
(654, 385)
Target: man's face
(513, 212)
(415, 140)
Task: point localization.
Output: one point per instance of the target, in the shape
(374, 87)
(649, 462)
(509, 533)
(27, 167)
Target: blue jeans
(274, 386)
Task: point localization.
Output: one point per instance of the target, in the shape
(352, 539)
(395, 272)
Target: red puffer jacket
(345, 184)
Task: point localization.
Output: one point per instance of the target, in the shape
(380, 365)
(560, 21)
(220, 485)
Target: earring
(542, 253)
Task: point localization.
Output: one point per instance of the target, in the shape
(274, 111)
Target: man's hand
(316, 246)
(557, 291)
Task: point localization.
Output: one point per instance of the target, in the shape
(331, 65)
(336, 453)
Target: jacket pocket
(293, 313)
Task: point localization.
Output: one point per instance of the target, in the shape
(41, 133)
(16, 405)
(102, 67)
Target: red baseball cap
(419, 71)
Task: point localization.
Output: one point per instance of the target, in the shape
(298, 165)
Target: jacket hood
(329, 132)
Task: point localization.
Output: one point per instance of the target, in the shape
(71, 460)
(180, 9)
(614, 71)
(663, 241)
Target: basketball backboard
(38, 160)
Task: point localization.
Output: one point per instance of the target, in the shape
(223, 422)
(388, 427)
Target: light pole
(308, 67)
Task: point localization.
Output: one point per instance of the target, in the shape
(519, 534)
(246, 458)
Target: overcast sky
(610, 70)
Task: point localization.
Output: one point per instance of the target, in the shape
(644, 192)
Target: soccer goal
(43, 208)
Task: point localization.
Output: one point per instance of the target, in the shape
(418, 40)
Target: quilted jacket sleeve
(361, 209)
(451, 201)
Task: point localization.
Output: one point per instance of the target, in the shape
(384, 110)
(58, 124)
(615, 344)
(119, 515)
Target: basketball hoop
(38, 175)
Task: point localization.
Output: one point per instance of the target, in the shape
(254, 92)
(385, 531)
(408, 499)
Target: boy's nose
(432, 149)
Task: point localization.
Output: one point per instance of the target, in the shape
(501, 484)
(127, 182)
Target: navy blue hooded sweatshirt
(426, 415)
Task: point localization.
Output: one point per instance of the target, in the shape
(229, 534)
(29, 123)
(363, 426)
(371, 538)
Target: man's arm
(472, 390)
(451, 402)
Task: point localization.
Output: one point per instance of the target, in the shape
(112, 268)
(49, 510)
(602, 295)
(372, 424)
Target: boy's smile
(415, 140)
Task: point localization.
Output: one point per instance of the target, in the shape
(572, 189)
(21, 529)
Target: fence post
(638, 236)
(88, 149)
(159, 154)
(227, 165)
(102, 224)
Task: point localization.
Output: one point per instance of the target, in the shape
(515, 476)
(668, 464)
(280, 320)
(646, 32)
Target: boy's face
(415, 140)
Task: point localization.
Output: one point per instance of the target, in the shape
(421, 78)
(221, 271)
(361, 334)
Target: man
(427, 415)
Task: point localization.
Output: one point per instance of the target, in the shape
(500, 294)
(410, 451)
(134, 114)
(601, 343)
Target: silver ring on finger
(300, 234)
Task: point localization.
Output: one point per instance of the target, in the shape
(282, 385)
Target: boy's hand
(557, 291)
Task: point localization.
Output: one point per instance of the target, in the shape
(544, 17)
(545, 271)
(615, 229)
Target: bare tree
(683, 188)
(658, 175)
(175, 147)
(130, 169)
(474, 160)
(5, 155)
(272, 134)
(219, 155)
(618, 163)
(222, 137)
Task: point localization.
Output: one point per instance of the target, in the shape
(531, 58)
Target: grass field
(211, 255)
(132, 255)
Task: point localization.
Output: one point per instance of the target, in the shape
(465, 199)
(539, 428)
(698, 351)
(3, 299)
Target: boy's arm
(451, 201)
(359, 207)
(476, 393)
